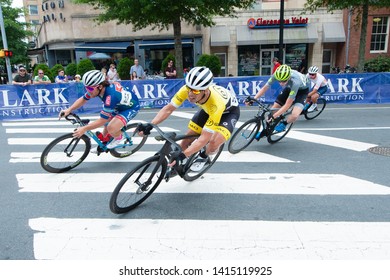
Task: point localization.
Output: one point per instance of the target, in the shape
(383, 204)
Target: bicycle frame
(76, 120)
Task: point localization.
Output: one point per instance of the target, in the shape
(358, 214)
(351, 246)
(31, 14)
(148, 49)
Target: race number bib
(126, 98)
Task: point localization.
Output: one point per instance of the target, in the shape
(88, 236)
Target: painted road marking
(139, 156)
(330, 141)
(40, 131)
(156, 239)
(301, 184)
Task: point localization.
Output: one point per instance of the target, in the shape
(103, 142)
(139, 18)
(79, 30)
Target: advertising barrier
(37, 101)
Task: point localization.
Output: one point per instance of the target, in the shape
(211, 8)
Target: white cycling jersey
(318, 81)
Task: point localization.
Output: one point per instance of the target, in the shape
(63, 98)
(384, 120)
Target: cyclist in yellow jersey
(215, 121)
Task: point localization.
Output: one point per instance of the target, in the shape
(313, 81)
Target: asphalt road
(321, 174)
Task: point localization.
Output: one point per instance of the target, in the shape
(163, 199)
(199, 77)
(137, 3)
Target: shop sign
(275, 23)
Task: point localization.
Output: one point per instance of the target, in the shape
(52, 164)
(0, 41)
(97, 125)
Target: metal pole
(281, 31)
(5, 45)
(348, 36)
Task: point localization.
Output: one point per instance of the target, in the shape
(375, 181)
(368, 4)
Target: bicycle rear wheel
(137, 185)
(274, 136)
(136, 140)
(321, 104)
(65, 153)
(193, 175)
(244, 135)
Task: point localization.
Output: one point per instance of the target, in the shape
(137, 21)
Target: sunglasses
(90, 88)
(194, 91)
(312, 74)
(40, 73)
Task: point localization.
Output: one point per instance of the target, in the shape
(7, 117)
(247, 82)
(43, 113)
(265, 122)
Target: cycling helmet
(313, 70)
(93, 78)
(199, 78)
(283, 73)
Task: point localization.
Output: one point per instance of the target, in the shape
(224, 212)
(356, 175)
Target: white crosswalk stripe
(139, 156)
(187, 239)
(234, 183)
(147, 239)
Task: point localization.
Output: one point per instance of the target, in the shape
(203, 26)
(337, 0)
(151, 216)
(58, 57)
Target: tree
(71, 69)
(84, 66)
(16, 33)
(124, 68)
(212, 62)
(359, 8)
(162, 14)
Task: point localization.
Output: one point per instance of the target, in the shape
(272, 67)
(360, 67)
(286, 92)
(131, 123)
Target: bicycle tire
(138, 142)
(54, 158)
(191, 175)
(128, 194)
(321, 104)
(244, 136)
(274, 136)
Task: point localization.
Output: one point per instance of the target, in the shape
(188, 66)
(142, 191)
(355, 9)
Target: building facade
(245, 45)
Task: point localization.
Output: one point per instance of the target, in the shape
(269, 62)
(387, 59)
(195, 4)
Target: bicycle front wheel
(321, 104)
(65, 153)
(132, 144)
(274, 136)
(193, 175)
(138, 184)
(244, 136)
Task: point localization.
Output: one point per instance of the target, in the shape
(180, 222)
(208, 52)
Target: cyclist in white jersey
(319, 88)
(295, 89)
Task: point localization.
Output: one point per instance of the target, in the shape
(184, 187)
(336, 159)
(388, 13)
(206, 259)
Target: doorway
(266, 57)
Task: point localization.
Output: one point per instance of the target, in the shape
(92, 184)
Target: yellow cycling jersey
(219, 101)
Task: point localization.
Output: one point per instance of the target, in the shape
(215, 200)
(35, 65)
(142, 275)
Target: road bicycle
(258, 127)
(251, 129)
(140, 182)
(321, 104)
(66, 152)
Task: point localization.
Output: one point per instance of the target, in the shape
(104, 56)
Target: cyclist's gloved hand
(178, 156)
(248, 100)
(270, 118)
(145, 128)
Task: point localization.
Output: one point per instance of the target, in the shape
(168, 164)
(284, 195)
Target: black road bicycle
(140, 182)
(66, 152)
(321, 104)
(258, 127)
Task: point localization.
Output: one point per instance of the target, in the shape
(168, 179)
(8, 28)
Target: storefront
(258, 44)
(151, 53)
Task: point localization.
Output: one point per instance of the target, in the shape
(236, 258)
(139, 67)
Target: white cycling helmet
(199, 78)
(93, 78)
(313, 70)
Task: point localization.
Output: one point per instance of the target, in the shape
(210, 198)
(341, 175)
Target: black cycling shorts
(299, 98)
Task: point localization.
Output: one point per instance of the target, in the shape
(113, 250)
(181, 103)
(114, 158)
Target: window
(33, 9)
(248, 60)
(380, 34)
(326, 60)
